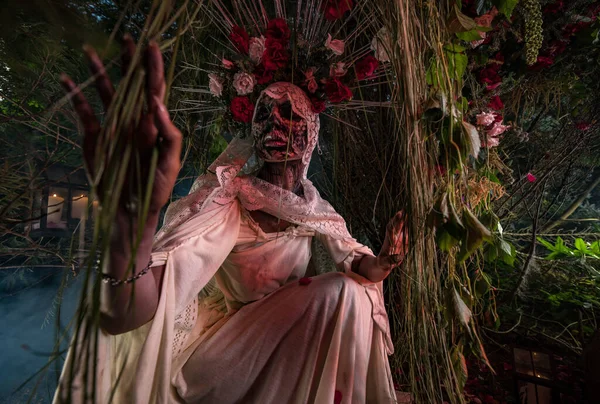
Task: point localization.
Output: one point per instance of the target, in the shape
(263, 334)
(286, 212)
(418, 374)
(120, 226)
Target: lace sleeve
(343, 251)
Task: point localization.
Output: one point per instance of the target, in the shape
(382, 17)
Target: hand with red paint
(155, 125)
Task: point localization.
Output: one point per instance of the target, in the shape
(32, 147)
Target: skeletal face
(280, 134)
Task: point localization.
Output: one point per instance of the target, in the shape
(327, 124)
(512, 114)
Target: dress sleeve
(343, 251)
(195, 250)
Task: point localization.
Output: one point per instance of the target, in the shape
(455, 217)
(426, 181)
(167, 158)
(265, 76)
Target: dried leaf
(462, 312)
(475, 235)
(473, 135)
(459, 364)
(458, 22)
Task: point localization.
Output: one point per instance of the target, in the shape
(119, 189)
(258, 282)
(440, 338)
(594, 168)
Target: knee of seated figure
(339, 281)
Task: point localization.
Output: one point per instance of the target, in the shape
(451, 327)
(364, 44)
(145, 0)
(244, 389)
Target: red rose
(275, 55)
(496, 103)
(583, 126)
(366, 67)
(489, 75)
(335, 9)
(242, 109)
(278, 30)
(263, 75)
(553, 8)
(336, 90)
(542, 63)
(240, 39)
(318, 105)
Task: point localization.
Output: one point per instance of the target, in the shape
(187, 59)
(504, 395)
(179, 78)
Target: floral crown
(322, 68)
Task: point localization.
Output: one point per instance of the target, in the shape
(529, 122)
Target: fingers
(103, 84)
(170, 148)
(147, 133)
(91, 126)
(127, 53)
(155, 81)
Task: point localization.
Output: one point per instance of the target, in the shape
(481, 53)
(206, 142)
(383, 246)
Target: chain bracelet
(117, 282)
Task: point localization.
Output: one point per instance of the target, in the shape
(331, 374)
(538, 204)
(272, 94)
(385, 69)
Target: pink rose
(228, 64)
(335, 45)
(497, 129)
(484, 21)
(485, 118)
(257, 49)
(215, 85)
(337, 69)
(491, 142)
(243, 83)
(311, 82)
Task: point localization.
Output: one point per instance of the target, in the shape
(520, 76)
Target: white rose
(215, 85)
(381, 44)
(256, 49)
(335, 45)
(243, 83)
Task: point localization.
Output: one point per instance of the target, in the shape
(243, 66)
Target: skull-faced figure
(280, 132)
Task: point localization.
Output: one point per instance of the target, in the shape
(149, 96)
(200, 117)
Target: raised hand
(154, 127)
(395, 245)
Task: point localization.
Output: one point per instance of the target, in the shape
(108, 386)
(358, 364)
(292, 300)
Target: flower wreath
(273, 55)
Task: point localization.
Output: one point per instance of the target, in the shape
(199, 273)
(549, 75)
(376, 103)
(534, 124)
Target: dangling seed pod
(533, 30)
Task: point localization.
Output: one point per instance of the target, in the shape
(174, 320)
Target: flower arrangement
(325, 71)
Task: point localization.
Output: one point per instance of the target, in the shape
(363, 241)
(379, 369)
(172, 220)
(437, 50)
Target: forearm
(129, 305)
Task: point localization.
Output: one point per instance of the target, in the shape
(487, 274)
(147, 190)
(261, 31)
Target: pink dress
(272, 338)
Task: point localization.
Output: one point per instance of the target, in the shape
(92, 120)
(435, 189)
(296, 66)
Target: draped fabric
(209, 241)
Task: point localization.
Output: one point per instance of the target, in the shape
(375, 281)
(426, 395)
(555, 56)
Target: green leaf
(546, 244)
(506, 7)
(469, 36)
(444, 240)
(482, 285)
(455, 48)
(581, 245)
(457, 64)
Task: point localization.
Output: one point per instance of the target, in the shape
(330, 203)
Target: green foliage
(559, 250)
(506, 7)
(456, 63)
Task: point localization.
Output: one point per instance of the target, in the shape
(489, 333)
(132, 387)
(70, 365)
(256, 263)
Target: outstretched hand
(395, 245)
(155, 126)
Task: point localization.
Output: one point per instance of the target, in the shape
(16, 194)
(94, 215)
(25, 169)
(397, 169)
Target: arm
(128, 306)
